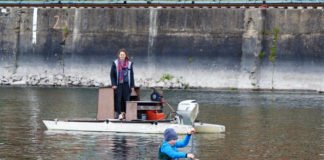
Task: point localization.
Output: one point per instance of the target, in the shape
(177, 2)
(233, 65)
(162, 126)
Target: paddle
(192, 146)
(192, 136)
(192, 142)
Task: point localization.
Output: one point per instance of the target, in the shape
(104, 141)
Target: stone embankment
(66, 80)
(235, 48)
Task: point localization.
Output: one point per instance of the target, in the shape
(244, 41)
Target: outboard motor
(187, 112)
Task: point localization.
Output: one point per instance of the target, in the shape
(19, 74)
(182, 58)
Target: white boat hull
(126, 127)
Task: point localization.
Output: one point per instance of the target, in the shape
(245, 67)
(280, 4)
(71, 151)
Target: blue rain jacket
(172, 151)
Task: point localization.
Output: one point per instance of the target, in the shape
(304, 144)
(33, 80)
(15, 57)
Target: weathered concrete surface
(217, 48)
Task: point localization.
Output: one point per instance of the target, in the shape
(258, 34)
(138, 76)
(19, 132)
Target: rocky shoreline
(57, 80)
(49, 80)
(60, 80)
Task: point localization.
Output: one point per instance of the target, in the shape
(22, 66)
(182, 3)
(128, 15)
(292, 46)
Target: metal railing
(156, 1)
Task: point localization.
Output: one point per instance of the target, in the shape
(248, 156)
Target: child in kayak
(168, 149)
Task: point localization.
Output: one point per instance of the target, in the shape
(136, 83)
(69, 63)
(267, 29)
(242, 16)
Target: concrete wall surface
(170, 47)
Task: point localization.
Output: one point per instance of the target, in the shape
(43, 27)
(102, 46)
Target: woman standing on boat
(122, 80)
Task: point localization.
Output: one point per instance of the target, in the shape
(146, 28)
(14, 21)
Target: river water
(260, 126)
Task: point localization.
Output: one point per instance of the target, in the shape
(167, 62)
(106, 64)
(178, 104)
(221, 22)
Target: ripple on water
(258, 126)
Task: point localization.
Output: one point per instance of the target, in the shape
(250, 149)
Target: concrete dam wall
(172, 47)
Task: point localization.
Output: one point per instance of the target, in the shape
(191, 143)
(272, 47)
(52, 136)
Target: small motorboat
(186, 114)
(184, 119)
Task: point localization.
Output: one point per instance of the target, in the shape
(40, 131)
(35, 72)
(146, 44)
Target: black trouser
(122, 95)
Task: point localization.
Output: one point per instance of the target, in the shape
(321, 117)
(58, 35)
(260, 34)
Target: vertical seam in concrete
(250, 68)
(152, 28)
(34, 36)
(152, 34)
(16, 52)
(75, 34)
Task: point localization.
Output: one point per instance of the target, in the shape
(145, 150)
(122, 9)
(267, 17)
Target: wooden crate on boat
(134, 107)
(106, 102)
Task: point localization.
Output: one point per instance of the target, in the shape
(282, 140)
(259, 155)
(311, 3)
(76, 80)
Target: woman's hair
(122, 50)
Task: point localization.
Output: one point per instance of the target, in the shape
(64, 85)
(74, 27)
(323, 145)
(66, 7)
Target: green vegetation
(166, 77)
(172, 81)
(273, 50)
(233, 89)
(65, 31)
(190, 60)
(261, 55)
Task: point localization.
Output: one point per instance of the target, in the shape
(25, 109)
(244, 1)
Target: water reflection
(121, 146)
